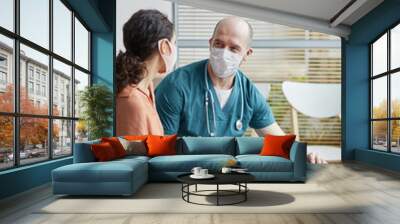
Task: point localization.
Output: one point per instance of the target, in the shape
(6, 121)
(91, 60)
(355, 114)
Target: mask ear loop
(159, 51)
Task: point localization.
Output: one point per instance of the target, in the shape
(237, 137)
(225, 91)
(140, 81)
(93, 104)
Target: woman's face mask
(169, 59)
(224, 62)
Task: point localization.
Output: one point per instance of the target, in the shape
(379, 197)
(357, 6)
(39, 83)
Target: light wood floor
(351, 181)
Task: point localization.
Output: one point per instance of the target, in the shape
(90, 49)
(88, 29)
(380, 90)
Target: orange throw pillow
(277, 145)
(103, 151)
(135, 137)
(116, 145)
(161, 145)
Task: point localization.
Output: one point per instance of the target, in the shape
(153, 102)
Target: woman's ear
(166, 53)
(164, 47)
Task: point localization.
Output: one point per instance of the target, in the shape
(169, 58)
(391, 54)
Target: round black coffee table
(238, 179)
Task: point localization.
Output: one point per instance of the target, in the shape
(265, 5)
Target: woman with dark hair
(149, 40)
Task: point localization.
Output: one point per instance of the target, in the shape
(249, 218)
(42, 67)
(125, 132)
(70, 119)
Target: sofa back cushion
(134, 147)
(83, 152)
(116, 146)
(207, 145)
(161, 145)
(104, 152)
(249, 145)
(135, 137)
(277, 145)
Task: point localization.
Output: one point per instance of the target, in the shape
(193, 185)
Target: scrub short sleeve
(169, 105)
(262, 115)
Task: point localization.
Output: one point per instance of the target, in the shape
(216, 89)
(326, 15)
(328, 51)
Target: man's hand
(314, 158)
(275, 129)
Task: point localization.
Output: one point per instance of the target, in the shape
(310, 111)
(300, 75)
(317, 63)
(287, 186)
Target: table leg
(245, 193)
(188, 190)
(182, 190)
(196, 187)
(217, 194)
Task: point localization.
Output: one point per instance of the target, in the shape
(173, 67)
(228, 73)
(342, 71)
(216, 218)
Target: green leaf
(96, 102)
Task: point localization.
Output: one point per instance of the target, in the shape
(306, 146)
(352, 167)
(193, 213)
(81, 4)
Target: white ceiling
(320, 9)
(313, 15)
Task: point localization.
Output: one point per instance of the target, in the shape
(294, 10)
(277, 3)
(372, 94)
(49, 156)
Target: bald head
(235, 26)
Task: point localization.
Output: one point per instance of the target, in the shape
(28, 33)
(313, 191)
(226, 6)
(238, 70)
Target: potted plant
(96, 103)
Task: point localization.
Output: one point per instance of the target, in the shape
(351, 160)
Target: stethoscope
(209, 95)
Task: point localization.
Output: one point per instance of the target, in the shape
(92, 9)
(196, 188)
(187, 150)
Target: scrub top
(180, 102)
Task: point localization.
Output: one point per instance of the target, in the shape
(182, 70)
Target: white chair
(318, 100)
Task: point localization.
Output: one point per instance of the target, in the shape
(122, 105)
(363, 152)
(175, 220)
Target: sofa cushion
(257, 163)
(185, 163)
(161, 145)
(208, 145)
(111, 171)
(277, 145)
(249, 145)
(134, 147)
(116, 145)
(83, 152)
(131, 158)
(135, 137)
(103, 152)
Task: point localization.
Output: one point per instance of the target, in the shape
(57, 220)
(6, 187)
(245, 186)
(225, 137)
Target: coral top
(137, 113)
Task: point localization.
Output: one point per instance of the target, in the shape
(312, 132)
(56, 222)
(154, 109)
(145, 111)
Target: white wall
(126, 8)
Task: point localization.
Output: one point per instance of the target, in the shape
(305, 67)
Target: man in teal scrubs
(213, 97)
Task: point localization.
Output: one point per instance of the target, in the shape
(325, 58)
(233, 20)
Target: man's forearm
(272, 129)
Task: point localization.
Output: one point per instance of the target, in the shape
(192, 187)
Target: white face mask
(169, 60)
(224, 62)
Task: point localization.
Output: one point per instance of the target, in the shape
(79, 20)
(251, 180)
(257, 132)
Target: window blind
(273, 66)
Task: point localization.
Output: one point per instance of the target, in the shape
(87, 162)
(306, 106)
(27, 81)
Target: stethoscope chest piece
(239, 125)
(209, 96)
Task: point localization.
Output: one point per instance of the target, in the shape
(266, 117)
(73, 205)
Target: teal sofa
(125, 176)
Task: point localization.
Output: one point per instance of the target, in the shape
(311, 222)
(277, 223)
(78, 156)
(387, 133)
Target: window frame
(388, 74)
(16, 115)
(3, 70)
(3, 74)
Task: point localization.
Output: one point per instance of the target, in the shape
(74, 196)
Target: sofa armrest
(298, 155)
(83, 152)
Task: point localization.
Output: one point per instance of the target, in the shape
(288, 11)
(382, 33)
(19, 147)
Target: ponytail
(130, 70)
